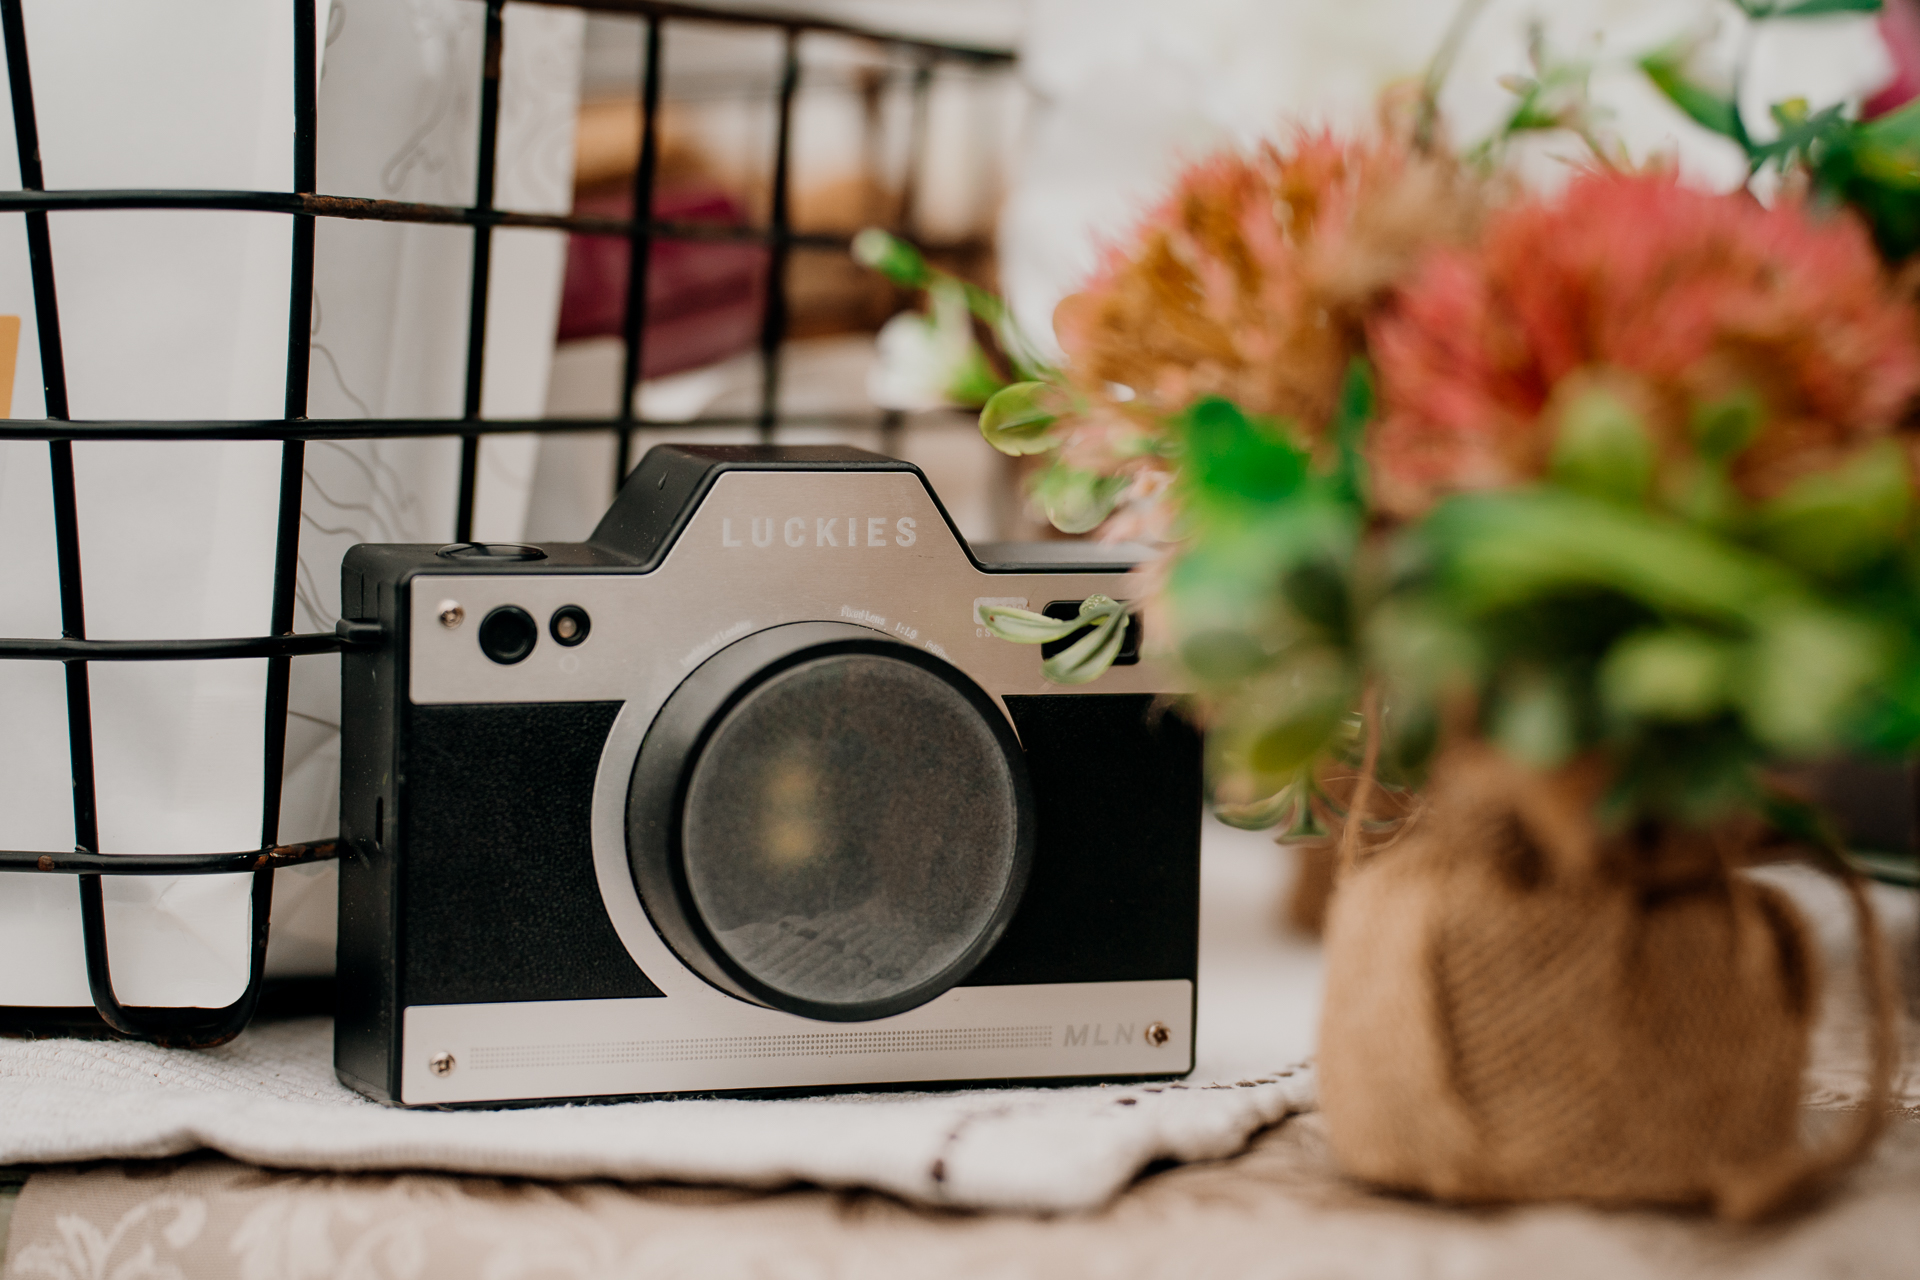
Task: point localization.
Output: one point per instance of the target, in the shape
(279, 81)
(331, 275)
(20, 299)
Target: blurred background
(1041, 130)
(1012, 173)
(881, 136)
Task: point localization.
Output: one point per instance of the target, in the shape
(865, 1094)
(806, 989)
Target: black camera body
(739, 795)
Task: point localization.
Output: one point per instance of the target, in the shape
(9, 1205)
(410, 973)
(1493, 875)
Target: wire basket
(303, 205)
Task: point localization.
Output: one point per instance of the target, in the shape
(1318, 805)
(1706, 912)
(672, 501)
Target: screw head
(451, 614)
(441, 1064)
(1156, 1034)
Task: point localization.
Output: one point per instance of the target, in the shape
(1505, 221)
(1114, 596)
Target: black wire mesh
(304, 204)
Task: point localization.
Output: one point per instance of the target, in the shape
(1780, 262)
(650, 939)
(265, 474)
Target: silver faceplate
(764, 549)
(716, 586)
(604, 1048)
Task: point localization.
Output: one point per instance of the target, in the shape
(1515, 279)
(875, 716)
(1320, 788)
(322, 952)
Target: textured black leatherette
(1114, 894)
(496, 866)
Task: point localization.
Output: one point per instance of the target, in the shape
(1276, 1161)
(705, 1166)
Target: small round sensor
(569, 625)
(508, 634)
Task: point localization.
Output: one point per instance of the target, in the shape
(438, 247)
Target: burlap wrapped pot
(1519, 1009)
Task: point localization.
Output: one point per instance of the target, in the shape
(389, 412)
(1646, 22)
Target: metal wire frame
(304, 204)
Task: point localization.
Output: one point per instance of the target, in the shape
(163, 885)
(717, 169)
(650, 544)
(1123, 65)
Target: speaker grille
(821, 1044)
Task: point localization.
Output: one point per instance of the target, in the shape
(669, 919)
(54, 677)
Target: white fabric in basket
(183, 315)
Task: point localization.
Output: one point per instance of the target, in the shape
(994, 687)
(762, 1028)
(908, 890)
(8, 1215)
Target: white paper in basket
(183, 315)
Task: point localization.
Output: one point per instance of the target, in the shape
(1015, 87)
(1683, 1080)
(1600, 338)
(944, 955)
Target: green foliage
(1816, 8)
(1262, 597)
(1633, 605)
(1874, 165)
(893, 258)
(1712, 109)
(907, 267)
(1722, 428)
(1104, 620)
(1676, 674)
(1076, 500)
(1556, 96)
(1602, 448)
(1594, 613)
(1834, 523)
(1019, 419)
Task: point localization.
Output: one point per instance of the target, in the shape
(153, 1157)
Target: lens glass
(850, 829)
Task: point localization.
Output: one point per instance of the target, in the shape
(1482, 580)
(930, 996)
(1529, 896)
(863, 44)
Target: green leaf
(1350, 421)
(1887, 868)
(1801, 135)
(1819, 8)
(1232, 574)
(1875, 167)
(1089, 657)
(1722, 428)
(1534, 721)
(1292, 741)
(1502, 549)
(1807, 672)
(1317, 593)
(1273, 727)
(1219, 656)
(1602, 448)
(1076, 501)
(1259, 815)
(1421, 648)
(892, 257)
(1834, 522)
(1234, 458)
(1019, 419)
(1897, 131)
(1716, 111)
(1672, 674)
(1086, 658)
(1022, 626)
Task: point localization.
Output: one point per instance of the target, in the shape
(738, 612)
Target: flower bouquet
(1515, 542)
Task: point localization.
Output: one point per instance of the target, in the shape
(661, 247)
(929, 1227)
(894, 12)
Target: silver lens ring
(829, 822)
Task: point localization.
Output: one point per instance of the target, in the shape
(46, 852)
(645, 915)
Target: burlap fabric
(1519, 1009)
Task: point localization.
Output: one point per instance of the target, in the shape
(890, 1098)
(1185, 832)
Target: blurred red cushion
(704, 298)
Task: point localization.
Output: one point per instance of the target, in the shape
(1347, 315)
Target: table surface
(1279, 1209)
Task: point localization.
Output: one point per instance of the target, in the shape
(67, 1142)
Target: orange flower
(1686, 296)
(1253, 280)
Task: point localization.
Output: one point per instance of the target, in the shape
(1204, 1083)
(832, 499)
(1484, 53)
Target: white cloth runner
(270, 1098)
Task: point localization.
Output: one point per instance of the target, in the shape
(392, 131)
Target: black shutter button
(508, 634)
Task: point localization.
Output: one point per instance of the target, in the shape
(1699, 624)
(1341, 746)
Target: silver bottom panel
(468, 1053)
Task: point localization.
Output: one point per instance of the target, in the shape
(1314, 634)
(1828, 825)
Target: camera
(739, 795)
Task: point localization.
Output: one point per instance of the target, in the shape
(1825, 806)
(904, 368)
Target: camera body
(739, 795)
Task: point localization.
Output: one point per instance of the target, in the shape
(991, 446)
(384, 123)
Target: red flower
(1688, 296)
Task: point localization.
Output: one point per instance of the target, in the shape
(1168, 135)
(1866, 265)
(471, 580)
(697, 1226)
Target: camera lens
(569, 624)
(849, 829)
(854, 828)
(508, 634)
